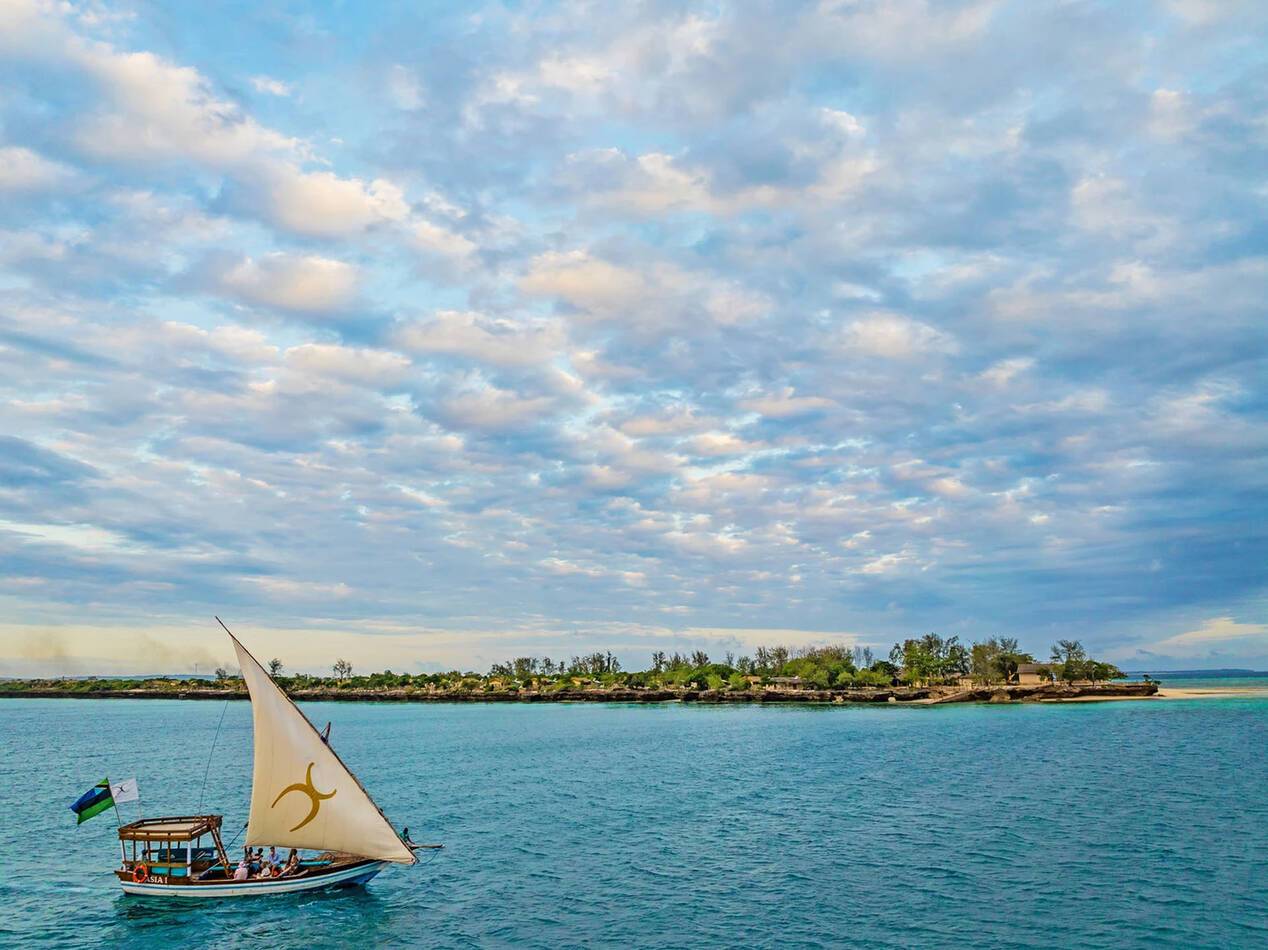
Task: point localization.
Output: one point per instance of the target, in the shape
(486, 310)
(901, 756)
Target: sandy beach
(1210, 692)
(1169, 692)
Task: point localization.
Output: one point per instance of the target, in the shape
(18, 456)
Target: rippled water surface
(1097, 825)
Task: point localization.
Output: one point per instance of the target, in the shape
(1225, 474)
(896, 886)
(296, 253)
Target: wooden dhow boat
(302, 797)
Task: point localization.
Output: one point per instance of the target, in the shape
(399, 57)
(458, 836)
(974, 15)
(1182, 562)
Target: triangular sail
(302, 795)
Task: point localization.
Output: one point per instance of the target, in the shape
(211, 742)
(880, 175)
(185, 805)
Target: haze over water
(1110, 824)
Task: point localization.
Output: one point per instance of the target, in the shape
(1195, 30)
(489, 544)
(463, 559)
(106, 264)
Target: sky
(429, 335)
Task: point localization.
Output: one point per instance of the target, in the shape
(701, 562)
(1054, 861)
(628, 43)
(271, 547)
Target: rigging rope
(236, 837)
(207, 771)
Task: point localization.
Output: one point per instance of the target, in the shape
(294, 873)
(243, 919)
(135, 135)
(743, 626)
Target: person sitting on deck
(292, 864)
(242, 872)
(275, 859)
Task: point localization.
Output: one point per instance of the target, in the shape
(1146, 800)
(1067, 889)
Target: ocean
(1132, 824)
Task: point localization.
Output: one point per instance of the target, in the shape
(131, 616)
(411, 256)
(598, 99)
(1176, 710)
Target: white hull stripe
(358, 873)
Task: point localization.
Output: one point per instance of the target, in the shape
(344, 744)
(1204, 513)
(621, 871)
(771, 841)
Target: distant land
(1196, 674)
(210, 677)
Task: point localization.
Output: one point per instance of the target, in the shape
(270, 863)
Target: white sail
(302, 795)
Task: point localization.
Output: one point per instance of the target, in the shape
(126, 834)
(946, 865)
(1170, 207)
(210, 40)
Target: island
(927, 670)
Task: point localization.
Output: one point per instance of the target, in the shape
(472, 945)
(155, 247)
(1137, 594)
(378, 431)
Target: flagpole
(117, 817)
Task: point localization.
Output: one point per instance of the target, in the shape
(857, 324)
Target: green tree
(1068, 651)
(275, 667)
(1099, 672)
(522, 667)
(931, 659)
(886, 669)
(768, 660)
(955, 660)
(983, 662)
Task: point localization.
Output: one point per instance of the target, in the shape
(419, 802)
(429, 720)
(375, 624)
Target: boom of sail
(302, 795)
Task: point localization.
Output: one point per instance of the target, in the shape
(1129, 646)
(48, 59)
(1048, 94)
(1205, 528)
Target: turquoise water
(1094, 825)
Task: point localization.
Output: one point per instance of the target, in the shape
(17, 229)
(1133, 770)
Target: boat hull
(348, 876)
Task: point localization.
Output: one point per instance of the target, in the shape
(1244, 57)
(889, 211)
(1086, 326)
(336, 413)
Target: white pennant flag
(125, 791)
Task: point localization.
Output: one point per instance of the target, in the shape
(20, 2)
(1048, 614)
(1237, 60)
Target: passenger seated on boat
(292, 864)
(242, 872)
(275, 859)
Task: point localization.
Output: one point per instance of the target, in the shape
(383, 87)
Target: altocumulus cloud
(504, 332)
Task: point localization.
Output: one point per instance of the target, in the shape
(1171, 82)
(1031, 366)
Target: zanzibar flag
(93, 802)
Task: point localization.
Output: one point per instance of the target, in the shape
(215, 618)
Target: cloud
(24, 170)
(405, 88)
(159, 111)
(483, 339)
(284, 589)
(318, 204)
(433, 239)
(350, 364)
(942, 317)
(1215, 637)
(786, 405)
(893, 336)
(303, 284)
(24, 463)
(1000, 374)
(156, 111)
(242, 345)
(641, 299)
(584, 282)
(821, 157)
(491, 409)
(270, 87)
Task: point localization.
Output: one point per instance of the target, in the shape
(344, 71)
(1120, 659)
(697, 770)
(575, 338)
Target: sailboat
(302, 797)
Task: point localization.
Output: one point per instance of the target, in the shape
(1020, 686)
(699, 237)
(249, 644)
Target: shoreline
(1175, 693)
(905, 696)
(1210, 692)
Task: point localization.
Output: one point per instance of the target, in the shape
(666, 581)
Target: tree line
(918, 661)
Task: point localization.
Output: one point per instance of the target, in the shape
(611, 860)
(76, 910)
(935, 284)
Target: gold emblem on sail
(307, 788)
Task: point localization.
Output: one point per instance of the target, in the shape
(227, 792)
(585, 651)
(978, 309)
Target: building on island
(785, 682)
(1033, 674)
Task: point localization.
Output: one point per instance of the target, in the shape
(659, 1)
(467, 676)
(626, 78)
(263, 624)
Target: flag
(125, 791)
(93, 802)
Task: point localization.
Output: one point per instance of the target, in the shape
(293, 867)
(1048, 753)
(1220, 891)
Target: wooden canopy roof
(180, 828)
